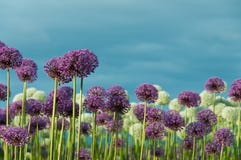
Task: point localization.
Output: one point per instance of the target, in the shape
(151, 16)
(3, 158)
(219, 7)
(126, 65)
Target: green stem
(61, 137)
(8, 97)
(93, 135)
(221, 154)
(203, 149)
(80, 112)
(116, 136)
(175, 151)
(238, 138)
(193, 151)
(143, 132)
(51, 149)
(106, 144)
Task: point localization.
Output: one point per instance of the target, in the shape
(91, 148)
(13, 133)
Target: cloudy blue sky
(176, 44)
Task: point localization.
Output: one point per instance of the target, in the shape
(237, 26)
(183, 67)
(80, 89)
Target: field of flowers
(102, 124)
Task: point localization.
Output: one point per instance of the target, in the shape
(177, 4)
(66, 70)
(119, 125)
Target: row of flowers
(103, 124)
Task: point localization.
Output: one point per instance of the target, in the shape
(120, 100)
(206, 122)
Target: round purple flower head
(38, 121)
(54, 69)
(146, 93)
(187, 143)
(138, 111)
(3, 129)
(84, 154)
(66, 124)
(66, 92)
(97, 91)
(159, 152)
(65, 108)
(112, 126)
(3, 92)
(79, 62)
(9, 58)
(27, 71)
(155, 130)
(213, 148)
(85, 128)
(94, 103)
(155, 115)
(2, 116)
(215, 85)
(33, 107)
(224, 136)
(207, 117)
(16, 136)
(235, 91)
(103, 118)
(195, 129)
(117, 100)
(189, 99)
(2, 44)
(173, 120)
(16, 108)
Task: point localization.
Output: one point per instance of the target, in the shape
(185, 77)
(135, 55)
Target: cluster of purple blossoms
(97, 91)
(114, 126)
(155, 115)
(155, 130)
(38, 122)
(85, 128)
(65, 108)
(187, 143)
(103, 118)
(16, 136)
(173, 120)
(195, 129)
(3, 116)
(33, 107)
(54, 69)
(224, 136)
(16, 108)
(27, 71)
(116, 100)
(84, 154)
(215, 85)
(189, 99)
(138, 111)
(158, 152)
(9, 58)
(207, 117)
(146, 93)
(213, 148)
(66, 124)
(80, 63)
(3, 92)
(235, 91)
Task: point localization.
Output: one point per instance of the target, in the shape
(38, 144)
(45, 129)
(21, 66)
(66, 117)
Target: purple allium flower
(235, 91)
(38, 121)
(138, 111)
(33, 107)
(120, 142)
(103, 118)
(16, 136)
(66, 92)
(224, 136)
(66, 124)
(65, 108)
(94, 103)
(112, 126)
(155, 130)
(213, 148)
(173, 120)
(97, 91)
(159, 152)
(195, 129)
(84, 154)
(207, 117)
(155, 115)
(117, 100)
(27, 71)
(3, 92)
(189, 99)
(2, 44)
(80, 63)
(85, 128)
(54, 69)
(9, 58)
(215, 85)
(187, 143)
(146, 93)
(3, 115)
(15, 108)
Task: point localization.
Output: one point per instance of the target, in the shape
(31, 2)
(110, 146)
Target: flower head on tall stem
(146, 93)
(84, 154)
(39, 122)
(3, 92)
(213, 147)
(3, 115)
(155, 130)
(187, 143)
(195, 129)
(103, 118)
(66, 124)
(138, 111)
(33, 107)
(85, 128)
(155, 115)
(207, 117)
(173, 120)
(189, 99)
(215, 85)
(235, 91)
(9, 58)
(27, 71)
(224, 136)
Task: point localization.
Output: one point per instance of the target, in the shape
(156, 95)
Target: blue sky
(176, 44)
